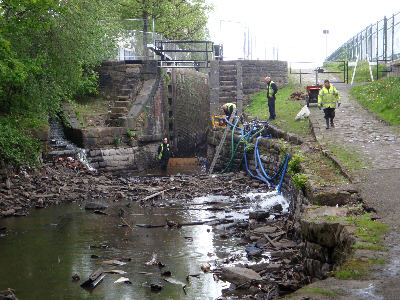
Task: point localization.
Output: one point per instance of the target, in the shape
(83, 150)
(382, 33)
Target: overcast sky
(293, 27)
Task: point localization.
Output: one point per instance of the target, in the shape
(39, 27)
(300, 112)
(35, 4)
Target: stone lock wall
(254, 72)
(188, 99)
(113, 75)
(230, 81)
(124, 158)
(178, 108)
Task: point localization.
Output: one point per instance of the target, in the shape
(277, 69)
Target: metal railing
(378, 41)
(134, 44)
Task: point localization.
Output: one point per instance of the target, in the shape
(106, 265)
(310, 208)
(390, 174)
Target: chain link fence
(377, 42)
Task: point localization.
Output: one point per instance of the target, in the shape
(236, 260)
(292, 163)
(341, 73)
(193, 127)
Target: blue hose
(257, 153)
(204, 161)
(261, 175)
(283, 173)
(232, 125)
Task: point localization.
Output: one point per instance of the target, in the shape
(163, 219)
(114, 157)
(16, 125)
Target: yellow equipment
(220, 121)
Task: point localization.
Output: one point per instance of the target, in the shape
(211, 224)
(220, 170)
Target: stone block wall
(124, 158)
(189, 118)
(254, 72)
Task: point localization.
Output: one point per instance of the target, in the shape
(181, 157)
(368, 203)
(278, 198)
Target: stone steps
(227, 73)
(125, 104)
(114, 116)
(119, 110)
(227, 78)
(227, 83)
(228, 88)
(124, 92)
(115, 122)
(228, 67)
(227, 99)
(123, 98)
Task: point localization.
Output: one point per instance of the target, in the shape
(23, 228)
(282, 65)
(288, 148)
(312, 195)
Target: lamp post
(326, 32)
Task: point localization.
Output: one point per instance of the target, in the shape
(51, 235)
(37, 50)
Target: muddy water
(39, 253)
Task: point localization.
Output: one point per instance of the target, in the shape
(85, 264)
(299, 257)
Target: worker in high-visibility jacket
(228, 109)
(163, 154)
(272, 89)
(328, 97)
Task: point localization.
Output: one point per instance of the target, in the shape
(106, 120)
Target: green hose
(234, 150)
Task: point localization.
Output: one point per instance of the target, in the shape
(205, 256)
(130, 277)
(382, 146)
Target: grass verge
(319, 291)
(369, 232)
(350, 159)
(382, 97)
(286, 111)
(357, 268)
(322, 170)
(362, 72)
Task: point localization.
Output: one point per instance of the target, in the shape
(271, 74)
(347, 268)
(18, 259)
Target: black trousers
(164, 164)
(271, 108)
(329, 113)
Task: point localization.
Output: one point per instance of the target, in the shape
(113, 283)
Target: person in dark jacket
(272, 89)
(163, 154)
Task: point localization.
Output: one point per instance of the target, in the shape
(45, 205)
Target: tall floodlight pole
(326, 32)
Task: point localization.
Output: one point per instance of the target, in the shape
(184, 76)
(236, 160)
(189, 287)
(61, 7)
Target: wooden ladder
(218, 150)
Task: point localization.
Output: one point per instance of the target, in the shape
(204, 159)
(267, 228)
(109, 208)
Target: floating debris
(113, 262)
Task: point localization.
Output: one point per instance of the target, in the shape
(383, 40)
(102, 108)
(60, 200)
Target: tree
(51, 46)
(174, 19)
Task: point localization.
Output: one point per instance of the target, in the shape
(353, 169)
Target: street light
(326, 32)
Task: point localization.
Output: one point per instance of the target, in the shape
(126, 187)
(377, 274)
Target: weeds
(382, 97)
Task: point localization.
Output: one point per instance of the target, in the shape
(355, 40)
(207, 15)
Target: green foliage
(174, 19)
(17, 146)
(249, 147)
(382, 97)
(131, 135)
(294, 164)
(368, 246)
(167, 78)
(368, 230)
(48, 51)
(117, 141)
(362, 72)
(300, 181)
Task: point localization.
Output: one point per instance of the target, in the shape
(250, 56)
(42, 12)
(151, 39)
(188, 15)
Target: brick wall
(189, 111)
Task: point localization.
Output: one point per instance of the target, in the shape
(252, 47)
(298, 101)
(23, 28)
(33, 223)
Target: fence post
(366, 40)
(385, 38)
(392, 37)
